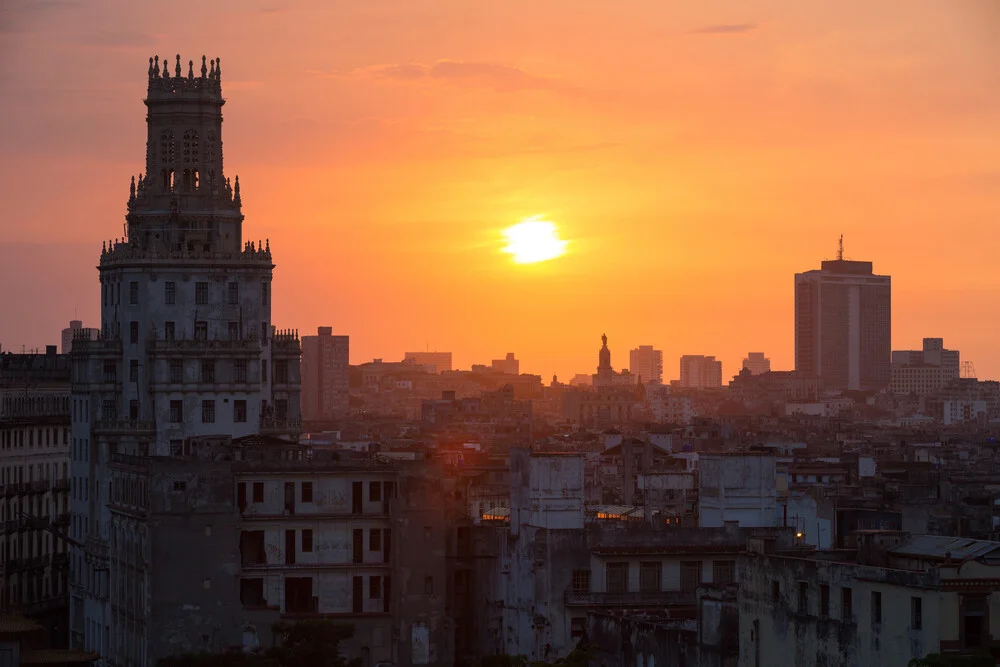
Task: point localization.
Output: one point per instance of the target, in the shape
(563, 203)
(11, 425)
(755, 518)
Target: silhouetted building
(757, 363)
(606, 376)
(187, 349)
(646, 364)
(34, 487)
(76, 328)
(924, 371)
(700, 372)
(843, 325)
(437, 362)
(325, 375)
(508, 365)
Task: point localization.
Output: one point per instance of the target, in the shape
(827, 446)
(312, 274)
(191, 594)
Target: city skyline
(376, 177)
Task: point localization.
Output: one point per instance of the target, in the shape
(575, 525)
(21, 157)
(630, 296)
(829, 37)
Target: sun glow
(534, 240)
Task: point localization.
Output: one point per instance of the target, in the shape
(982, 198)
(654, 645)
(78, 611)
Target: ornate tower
(187, 350)
(184, 201)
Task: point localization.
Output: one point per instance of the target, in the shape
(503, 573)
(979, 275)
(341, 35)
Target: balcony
(630, 599)
(61, 485)
(247, 347)
(125, 427)
(130, 463)
(277, 427)
(40, 486)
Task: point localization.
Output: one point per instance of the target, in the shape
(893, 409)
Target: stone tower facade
(186, 350)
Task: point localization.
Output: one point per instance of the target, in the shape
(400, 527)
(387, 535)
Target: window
(824, 600)
(690, 575)
(876, 608)
(428, 585)
(375, 587)
(803, 597)
(133, 370)
(307, 540)
(133, 409)
(208, 371)
(208, 411)
(234, 331)
(133, 332)
(846, 603)
(375, 492)
(110, 375)
(307, 492)
(107, 414)
(201, 330)
(201, 294)
(581, 581)
(263, 333)
(258, 492)
(577, 627)
(375, 540)
(616, 578)
(281, 371)
(176, 411)
(263, 372)
(916, 613)
(180, 486)
(649, 576)
(973, 610)
(775, 592)
(240, 370)
(133, 293)
(170, 293)
(240, 411)
(263, 294)
(281, 408)
(723, 571)
(176, 371)
(168, 331)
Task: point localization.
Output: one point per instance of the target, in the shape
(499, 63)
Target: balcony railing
(630, 599)
(282, 426)
(124, 427)
(199, 345)
(139, 462)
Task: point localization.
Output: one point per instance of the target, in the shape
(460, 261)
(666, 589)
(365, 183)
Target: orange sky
(696, 154)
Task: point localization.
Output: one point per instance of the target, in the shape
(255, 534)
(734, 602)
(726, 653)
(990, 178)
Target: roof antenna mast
(840, 249)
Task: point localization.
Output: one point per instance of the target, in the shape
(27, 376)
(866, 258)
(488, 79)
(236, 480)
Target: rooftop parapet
(122, 251)
(164, 86)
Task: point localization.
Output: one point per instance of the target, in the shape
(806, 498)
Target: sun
(534, 240)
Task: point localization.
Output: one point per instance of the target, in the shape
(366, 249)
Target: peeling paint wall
(775, 631)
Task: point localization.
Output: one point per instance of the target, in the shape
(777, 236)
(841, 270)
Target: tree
(981, 659)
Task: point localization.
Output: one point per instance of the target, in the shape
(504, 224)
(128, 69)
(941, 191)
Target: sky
(696, 155)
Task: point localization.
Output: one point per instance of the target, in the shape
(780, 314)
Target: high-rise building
(646, 364)
(436, 362)
(509, 365)
(700, 372)
(843, 325)
(186, 350)
(76, 329)
(757, 363)
(325, 375)
(924, 371)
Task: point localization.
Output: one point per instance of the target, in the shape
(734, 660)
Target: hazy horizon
(695, 157)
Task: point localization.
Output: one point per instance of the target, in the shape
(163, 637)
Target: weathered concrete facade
(801, 612)
(34, 487)
(186, 350)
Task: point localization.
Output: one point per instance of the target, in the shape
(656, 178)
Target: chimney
(50, 350)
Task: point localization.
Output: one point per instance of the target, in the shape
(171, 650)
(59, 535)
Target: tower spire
(840, 249)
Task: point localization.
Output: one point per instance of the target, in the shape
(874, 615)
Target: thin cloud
(724, 29)
(500, 77)
(116, 41)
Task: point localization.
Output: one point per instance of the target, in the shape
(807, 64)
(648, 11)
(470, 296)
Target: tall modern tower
(646, 364)
(843, 325)
(186, 349)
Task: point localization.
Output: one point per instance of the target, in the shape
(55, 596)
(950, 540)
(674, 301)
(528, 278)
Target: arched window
(192, 151)
(210, 148)
(168, 154)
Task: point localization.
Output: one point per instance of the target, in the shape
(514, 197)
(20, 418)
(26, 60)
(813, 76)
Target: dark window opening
(846, 604)
(824, 600)
(201, 294)
(374, 492)
(581, 581)
(876, 608)
(616, 578)
(916, 613)
(252, 593)
(803, 597)
(374, 540)
(299, 595)
(307, 540)
(649, 576)
(258, 492)
(307, 492)
(357, 546)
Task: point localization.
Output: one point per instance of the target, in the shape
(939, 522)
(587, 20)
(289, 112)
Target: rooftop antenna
(840, 249)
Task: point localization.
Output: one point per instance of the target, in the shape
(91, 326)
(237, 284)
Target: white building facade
(186, 349)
